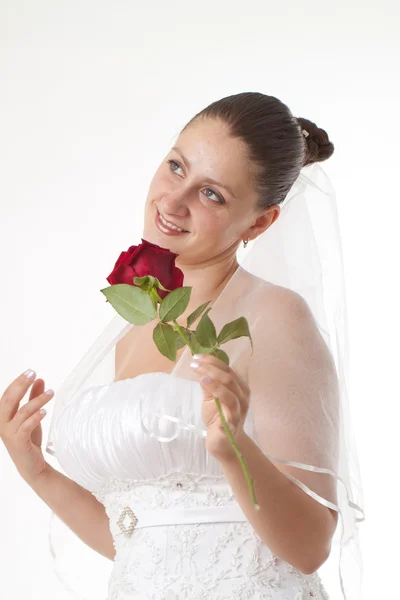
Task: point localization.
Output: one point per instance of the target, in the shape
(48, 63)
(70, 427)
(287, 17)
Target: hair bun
(318, 145)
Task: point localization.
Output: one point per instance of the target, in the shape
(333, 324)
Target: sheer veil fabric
(299, 408)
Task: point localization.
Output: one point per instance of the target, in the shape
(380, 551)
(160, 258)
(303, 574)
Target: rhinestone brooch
(127, 529)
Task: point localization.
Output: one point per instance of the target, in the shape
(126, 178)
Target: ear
(263, 221)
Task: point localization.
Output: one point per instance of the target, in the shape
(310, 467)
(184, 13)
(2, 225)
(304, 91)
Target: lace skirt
(200, 561)
(181, 538)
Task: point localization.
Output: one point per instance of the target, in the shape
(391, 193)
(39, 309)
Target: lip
(161, 227)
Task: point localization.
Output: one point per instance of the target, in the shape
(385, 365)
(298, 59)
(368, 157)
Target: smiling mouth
(171, 226)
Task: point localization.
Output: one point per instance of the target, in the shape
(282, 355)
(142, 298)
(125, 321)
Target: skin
(185, 196)
(20, 427)
(217, 220)
(291, 523)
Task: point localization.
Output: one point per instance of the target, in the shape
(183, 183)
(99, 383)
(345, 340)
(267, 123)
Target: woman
(155, 485)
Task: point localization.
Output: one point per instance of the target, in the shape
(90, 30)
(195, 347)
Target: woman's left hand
(218, 380)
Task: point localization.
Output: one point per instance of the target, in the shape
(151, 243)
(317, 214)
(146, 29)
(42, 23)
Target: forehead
(213, 152)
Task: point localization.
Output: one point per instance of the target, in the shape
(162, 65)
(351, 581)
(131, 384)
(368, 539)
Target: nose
(175, 203)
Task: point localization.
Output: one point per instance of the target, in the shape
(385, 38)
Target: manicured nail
(29, 374)
(194, 364)
(49, 392)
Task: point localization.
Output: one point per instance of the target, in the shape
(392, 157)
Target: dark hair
(276, 145)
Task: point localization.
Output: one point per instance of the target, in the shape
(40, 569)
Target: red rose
(147, 259)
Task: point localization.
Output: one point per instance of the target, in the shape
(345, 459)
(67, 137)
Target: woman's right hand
(21, 429)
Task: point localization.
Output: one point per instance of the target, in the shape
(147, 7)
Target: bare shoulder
(272, 302)
(286, 319)
(291, 305)
(283, 303)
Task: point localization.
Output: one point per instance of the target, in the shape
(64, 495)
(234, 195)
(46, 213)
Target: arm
(77, 508)
(293, 525)
(21, 432)
(293, 393)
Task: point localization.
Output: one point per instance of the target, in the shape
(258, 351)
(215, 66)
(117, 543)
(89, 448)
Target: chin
(154, 236)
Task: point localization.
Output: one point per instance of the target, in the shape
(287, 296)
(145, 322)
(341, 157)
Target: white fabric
(297, 375)
(191, 540)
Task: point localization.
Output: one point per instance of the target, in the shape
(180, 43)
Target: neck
(207, 282)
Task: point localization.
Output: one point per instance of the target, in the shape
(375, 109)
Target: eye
(219, 199)
(172, 163)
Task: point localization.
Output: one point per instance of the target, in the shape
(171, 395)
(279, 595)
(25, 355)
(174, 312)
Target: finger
(29, 409)
(229, 404)
(9, 402)
(214, 389)
(36, 389)
(208, 359)
(226, 377)
(24, 433)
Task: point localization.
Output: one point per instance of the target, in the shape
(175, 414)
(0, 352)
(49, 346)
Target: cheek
(224, 232)
(160, 184)
(215, 227)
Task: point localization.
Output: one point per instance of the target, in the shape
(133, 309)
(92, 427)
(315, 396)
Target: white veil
(301, 251)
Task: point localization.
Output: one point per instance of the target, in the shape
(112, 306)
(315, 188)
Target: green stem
(180, 332)
(240, 456)
(156, 295)
(228, 432)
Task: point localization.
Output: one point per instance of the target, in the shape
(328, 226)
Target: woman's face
(203, 186)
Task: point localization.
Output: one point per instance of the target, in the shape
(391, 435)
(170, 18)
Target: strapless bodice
(139, 446)
(135, 429)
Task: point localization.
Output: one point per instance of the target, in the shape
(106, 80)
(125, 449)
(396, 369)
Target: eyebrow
(187, 163)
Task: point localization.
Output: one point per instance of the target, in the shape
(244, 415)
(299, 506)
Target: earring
(245, 242)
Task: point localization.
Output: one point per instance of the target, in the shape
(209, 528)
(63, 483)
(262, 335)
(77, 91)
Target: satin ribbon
(186, 515)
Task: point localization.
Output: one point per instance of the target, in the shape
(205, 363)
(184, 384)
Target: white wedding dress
(178, 531)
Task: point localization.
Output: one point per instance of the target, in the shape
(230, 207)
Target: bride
(152, 481)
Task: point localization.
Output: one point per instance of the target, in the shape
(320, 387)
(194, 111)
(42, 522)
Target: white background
(92, 94)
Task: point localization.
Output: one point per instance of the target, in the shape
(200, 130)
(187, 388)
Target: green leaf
(165, 339)
(235, 329)
(175, 304)
(221, 355)
(179, 341)
(132, 303)
(196, 346)
(195, 314)
(205, 331)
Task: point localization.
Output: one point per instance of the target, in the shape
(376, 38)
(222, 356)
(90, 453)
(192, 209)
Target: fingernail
(43, 411)
(194, 365)
(49, 392)
(29, 374)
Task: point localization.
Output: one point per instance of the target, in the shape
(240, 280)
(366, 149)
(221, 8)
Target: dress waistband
(135, 519)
